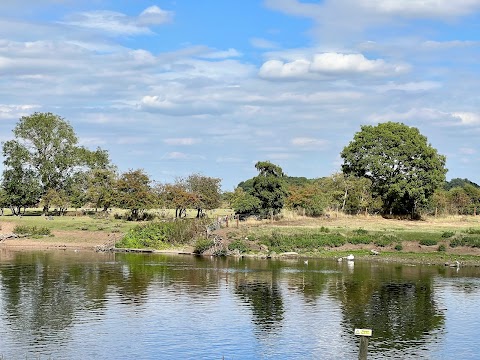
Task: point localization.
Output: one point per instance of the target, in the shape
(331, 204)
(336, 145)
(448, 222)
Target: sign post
(364, 335)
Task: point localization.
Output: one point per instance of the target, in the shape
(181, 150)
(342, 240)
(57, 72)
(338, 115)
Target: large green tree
(45, 145)
(134, 192)
(269, 187)
(206, 192)
(404, 168)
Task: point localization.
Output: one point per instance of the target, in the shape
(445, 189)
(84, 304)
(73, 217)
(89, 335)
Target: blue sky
(213, 86)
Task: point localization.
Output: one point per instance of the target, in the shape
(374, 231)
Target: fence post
(364, 334)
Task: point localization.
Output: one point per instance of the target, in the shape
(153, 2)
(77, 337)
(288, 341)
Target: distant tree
(134, 192)
(46, 145)
(101, 192)
(244, 203)
(404, 169)
(309, 198)
(269, 187)
(57, 199)
(457, 182)
(459, 200)
(176, 196)
(206, 192)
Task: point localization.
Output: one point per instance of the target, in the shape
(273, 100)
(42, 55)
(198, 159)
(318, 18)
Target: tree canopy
(269, 187)
(404, 168)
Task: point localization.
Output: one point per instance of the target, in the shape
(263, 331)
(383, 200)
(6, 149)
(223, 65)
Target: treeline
(44, 166)
(389, 169)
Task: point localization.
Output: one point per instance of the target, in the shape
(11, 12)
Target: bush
(202, 245)
(399, 247)
(360, 231)
(473, 241)
(159, 235)
(385, 240)
(442, 248)
(301, 242)
(31, 230)
(472, 231)
(324, 229)
(238, 245)
(447, 234)
(360, 240)
(428, 242)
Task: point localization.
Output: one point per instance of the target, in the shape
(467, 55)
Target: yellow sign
(363, 332)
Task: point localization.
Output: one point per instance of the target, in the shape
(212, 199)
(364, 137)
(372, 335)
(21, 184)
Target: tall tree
(404, 168)
(46, 145)
(134, 192)
(269, 187)
(206, 191)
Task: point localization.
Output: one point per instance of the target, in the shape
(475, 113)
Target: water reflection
(49, 299)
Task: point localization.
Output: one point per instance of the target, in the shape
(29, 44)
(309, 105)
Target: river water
(83, 305)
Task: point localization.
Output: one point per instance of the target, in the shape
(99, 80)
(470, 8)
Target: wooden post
(364, 334)
(238, 219)
(362, 355)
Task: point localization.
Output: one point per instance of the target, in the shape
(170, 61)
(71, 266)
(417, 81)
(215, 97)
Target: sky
(178, 87)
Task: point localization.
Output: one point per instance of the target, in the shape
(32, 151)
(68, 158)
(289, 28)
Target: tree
(101, 188)
(46, 146)
(309, 198)
(206, 191)
(404, 169)
(244, 203)
(269, 187)
(134, 192)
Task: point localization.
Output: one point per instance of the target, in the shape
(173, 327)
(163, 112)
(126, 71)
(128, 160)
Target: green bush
(472, 231)
(399, 247)
(360, 240)
(447, 234)
(442, 248)
(301, 242)
(324, 229)
(31, 230)
(202, 245)
(428, 242)
(360, 231)
(238, 245)
(160, 235)
(471, 241)
(385, 240)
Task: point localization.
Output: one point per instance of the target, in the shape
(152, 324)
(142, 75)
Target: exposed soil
(78, 239)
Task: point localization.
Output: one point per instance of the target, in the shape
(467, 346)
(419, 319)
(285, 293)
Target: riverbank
(406, 239)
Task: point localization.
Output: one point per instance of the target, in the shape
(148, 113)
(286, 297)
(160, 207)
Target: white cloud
(222, 54)
(467, 118)
(329, 64)
(117, 23)
(467, 151)
(309, 143)
(181, 141)
(410, 86)
(178, 107)
(447, 45)
(422, 9)
(16, 111)
(175, 155)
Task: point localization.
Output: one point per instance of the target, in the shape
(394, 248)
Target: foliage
(134, 192)
(244, 203)
(57, 199)
(428, 242)
(238, 245)
(404, 169)
(159, 235)
(101, 191)
(202, 245)
(442, 248)
(205, 191)
(471, 241)
(309, 197)
(301, 242)
(447, 234)
(269, 187)
(31, 230)
(399, 247)
(461, 183)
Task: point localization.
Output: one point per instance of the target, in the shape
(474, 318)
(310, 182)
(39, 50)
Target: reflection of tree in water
(398, 312)
(266, 302)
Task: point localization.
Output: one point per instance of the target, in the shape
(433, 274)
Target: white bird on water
(306, 262)
(350, 257)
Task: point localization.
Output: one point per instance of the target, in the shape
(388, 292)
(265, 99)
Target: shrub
(159, 235)
(360, 231)
(428, 242)
(202, 245)
(442, 248)
(472, 231)
(31, 230)
(399, 247)
(385, 240)
(447, 234)
(238, 245)
(324, 229)
(360, 240)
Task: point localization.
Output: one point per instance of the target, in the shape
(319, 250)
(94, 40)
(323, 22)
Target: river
(84, 305)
